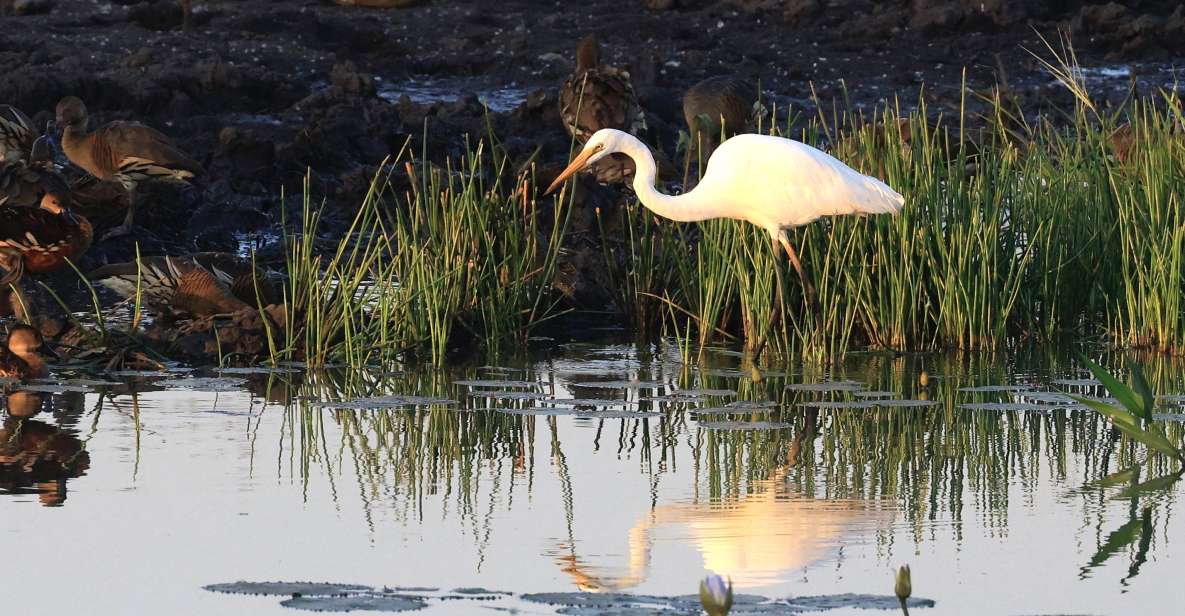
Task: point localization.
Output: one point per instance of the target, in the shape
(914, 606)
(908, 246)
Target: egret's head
(602, 143)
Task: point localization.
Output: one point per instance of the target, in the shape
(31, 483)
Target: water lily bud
(904, 586)
(924, 379)
(715, 596)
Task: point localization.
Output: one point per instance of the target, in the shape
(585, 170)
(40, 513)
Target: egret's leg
(807, 287)
(775, 316)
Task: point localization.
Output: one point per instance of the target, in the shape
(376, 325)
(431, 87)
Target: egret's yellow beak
(576, 165)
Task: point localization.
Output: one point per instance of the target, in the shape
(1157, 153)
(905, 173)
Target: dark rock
(798, 11)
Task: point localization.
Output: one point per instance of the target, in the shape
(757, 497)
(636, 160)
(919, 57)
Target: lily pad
(258, 370)
(745, 425)
(536, 411)
(621, 385)
(313, 589)
(1077, 382)
(704, 393)
(1047, 397)
(205, 383)
(995, 388)
(852, 600)
(874, 394)
(384, 402)
(730, 410)
(841, 404)
(1006, 406)
(509, 395)
(52, 388)
(496, 383)
(586, 402)
(827, 386)
(617, 414)
(906, 403)
(357, 603)
(752, 404)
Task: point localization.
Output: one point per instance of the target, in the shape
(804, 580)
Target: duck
(41, 239)
(723, 103)
(598, 96)
(16, 134)
(127, 152)
(24, 183)
(20, 357)
(192, 286)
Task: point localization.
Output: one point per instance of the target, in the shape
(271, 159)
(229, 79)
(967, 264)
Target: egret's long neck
(689, 207)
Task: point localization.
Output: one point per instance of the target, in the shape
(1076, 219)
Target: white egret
(774, 183)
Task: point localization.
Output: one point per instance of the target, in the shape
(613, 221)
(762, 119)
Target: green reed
(436, 259)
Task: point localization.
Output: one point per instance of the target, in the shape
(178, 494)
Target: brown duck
(127, 152)
(25, 183)
(715, 105)
(20, 358)
(196, 285)
(598, 96)
(16, 134)
(40, 239)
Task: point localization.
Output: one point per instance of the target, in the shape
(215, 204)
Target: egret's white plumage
(772, 182)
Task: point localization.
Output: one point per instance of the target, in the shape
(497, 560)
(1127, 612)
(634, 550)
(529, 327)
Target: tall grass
(441, 259)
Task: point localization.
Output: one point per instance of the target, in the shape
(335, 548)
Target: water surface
(598, 468)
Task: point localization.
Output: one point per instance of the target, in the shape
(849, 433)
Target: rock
(659, 5)
(31, 7)
(996, 12)
(346, 76)
(140, 58)
(1097, 18)
(935, 15)
(797, 11)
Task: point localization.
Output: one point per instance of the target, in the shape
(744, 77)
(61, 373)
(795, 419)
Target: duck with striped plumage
(16, 134)
(192, 286)
(127, 152)
(24, 183)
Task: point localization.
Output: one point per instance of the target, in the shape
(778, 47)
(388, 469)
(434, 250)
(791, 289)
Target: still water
(131, 493)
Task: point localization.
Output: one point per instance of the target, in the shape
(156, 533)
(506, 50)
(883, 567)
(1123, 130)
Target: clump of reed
(458, 258)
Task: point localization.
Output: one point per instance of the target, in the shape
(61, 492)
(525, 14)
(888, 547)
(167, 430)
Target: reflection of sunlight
(756, 540)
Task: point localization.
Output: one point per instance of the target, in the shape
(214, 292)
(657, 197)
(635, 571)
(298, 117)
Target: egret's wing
(775, 182)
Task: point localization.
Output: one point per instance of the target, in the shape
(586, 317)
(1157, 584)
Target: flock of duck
(41, 228)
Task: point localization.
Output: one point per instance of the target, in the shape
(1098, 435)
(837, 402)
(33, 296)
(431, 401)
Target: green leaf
(1123, 393)
(1141, 386)
(1127, 423)
(1117, 540)
(1152, 485)
(1122, 477)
